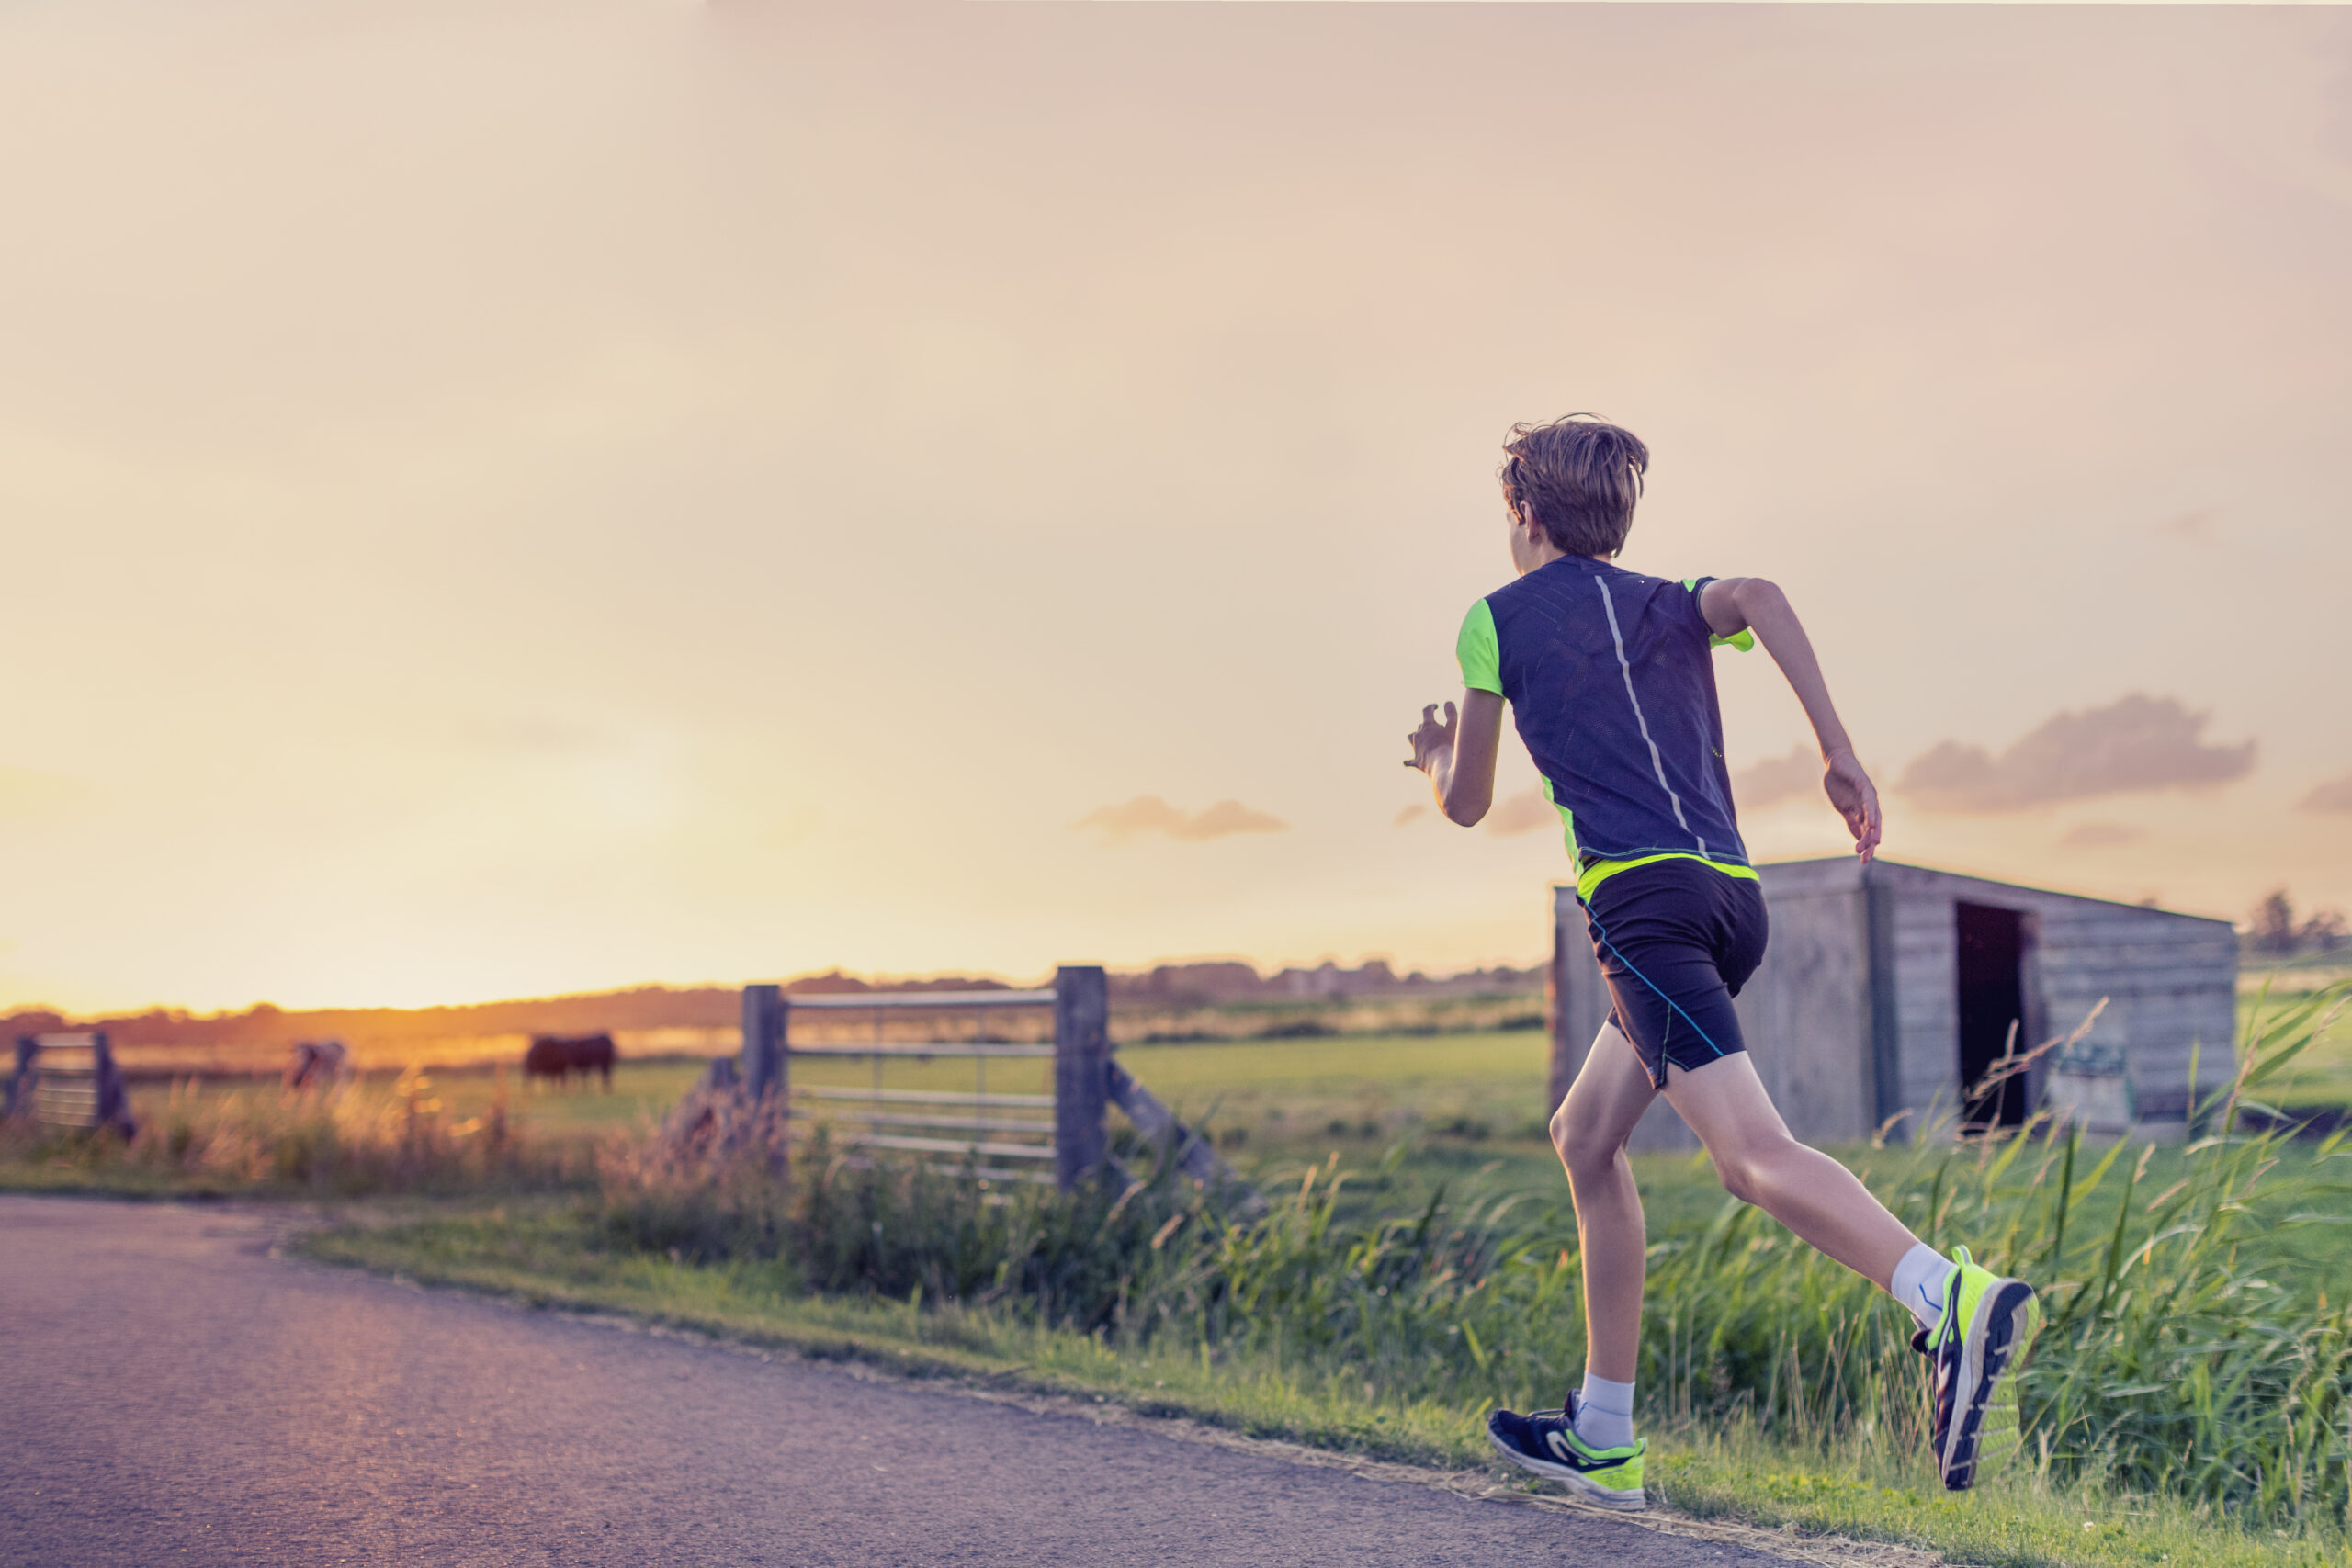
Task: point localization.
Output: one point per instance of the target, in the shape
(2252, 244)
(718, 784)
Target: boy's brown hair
(1579, 478)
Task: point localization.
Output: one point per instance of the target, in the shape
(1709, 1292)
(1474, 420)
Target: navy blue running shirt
(1610, 682)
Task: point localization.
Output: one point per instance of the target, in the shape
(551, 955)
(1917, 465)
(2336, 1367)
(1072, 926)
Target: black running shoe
(1547, 1443)
(1986, 1322)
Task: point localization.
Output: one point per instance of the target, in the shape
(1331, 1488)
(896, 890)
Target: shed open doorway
(1991, 1001)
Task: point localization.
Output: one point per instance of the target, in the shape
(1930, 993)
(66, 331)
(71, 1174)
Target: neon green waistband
(1602, 871)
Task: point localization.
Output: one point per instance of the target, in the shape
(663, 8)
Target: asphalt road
(171, 1393)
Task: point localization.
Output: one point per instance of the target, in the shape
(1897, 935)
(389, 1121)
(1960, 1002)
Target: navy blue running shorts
(1676, 939)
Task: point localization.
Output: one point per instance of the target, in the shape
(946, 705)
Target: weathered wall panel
(1926, 1006)
(1806, 1015)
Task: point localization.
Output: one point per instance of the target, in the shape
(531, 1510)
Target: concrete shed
(1887, 987)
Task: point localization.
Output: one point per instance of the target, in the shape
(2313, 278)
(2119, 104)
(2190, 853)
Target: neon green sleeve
(1477, 652)
(1743, 639)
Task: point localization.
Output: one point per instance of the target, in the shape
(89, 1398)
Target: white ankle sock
(1920, 1280)
(1605, 1413)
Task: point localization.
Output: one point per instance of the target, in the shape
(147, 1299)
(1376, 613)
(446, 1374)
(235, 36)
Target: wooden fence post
(1081, 1072)
(765, 1016)
(113, 1098)
(20, 1082)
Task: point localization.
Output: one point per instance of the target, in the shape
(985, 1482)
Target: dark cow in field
(557, 1056)
(318, 1064)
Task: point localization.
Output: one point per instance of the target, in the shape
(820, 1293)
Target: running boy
(1610, 682)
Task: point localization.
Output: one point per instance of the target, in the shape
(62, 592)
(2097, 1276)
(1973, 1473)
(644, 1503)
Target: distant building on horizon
(1179, 986)
(1888, 989)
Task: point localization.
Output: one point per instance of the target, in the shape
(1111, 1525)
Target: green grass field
(641, 1094)
(2322, 1075)
(1266, 1087)
(1467, 1109)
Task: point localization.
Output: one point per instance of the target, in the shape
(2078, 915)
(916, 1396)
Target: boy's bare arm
(1731, 605)
(1460, 757)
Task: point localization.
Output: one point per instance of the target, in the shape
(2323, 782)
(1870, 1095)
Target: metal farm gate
(68, 1080)
(1061, 1137)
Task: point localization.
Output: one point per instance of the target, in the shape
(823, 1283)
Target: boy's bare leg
(1803, 1189)
(1590, 1130)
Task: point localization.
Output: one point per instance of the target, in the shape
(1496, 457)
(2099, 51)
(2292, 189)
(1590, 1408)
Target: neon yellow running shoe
(1987, 1322)
(1547, 1443)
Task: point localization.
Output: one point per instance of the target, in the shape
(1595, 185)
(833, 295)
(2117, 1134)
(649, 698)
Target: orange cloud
(2136, 743)
(2101, 835)
(2334, 795)
(1150, 813)
(2196, 527)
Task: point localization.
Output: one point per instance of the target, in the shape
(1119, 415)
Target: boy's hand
(1433, 742)
(1856, 798)
(1460, 759)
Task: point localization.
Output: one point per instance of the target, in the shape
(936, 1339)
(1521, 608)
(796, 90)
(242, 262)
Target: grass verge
(544, 1255)
(358, 1140)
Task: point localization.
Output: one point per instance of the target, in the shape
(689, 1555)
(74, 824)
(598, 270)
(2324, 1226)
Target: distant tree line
(1207, 984)
(2273, 929)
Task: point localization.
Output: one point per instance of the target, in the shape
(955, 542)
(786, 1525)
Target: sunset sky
(507, 499)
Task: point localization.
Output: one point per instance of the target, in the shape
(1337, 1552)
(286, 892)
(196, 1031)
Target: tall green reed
(2190, 1347)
